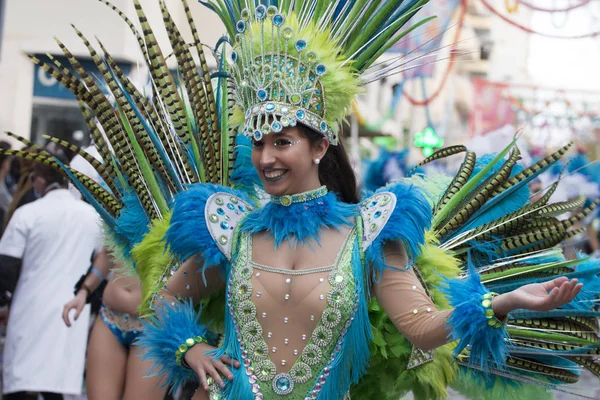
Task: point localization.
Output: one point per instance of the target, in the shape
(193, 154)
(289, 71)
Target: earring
(317, 161)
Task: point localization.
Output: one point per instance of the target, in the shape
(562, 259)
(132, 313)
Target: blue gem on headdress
(261, 94)
(323, 126)
(220, 211)
(270, 106)
(320, 69)
(318, 107)
(300, 45)
(234, 56)
(261, 12)
(293, 122)
(276, 126)
(225, 225)
(300, 114)
(257, 135)
(240, 26)
(278, 20)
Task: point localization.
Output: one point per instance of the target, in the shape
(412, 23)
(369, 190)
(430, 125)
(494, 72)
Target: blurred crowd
(68, 313)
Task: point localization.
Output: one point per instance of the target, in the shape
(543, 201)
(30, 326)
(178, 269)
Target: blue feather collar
(300, 222)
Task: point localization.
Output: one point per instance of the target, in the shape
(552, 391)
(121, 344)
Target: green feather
(554, 337)
(470, 185)
(514, 272)
(144, 167)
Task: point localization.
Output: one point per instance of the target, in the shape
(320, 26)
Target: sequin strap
(223, 212)
(375, 212)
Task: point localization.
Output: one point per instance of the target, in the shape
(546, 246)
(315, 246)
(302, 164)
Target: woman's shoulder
(398, 212)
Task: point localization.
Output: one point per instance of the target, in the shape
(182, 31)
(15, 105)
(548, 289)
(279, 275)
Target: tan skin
(114, 373)
(286, 165)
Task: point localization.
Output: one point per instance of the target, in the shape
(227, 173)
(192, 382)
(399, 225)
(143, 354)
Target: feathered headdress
(304, 61)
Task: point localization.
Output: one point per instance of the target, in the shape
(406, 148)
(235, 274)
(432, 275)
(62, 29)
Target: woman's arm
(189, 282)
(404, 299)
(101, 265)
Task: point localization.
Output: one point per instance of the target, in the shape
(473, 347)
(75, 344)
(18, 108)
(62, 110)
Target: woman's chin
(276, 189)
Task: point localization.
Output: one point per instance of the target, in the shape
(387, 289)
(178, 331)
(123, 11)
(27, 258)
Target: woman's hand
(77, 303)
(537, 296)
(204, 365)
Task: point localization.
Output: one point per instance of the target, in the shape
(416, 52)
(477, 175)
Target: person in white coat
(48, 245)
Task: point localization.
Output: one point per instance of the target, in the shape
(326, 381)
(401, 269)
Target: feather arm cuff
(164, 333)
(473, 324)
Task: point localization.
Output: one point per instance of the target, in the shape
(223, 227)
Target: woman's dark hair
(335, 170)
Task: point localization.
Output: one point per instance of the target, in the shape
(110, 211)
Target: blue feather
(133, 223)
(300, 223)
(244, 176)
(587, 273)
(407, 223)
(162, 335)
(352, 361)
(527, 314)
(502, 206)
(239, 388)
(469, 325)
(507, 193)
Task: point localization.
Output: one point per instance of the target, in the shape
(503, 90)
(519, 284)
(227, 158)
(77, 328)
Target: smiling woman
(298, 159)
(317, 294)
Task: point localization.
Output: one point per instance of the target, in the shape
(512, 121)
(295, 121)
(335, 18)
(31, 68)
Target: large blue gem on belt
(283, 384)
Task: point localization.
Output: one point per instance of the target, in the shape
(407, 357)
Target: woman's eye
(283, 143)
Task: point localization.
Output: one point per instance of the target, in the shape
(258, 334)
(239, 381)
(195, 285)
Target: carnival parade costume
(176, 164)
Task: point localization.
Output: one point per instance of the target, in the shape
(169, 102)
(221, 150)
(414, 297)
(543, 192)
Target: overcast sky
(569, 64)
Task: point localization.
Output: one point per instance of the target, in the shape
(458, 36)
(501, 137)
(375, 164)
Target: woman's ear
(320, 149)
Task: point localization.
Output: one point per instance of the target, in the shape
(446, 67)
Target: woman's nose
(267, 155)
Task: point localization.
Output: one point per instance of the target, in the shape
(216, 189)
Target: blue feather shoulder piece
(397, 212)
(193, 228)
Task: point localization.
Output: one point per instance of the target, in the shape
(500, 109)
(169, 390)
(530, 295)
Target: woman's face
(285, 162)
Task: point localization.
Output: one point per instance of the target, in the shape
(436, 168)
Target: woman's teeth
(273, 175)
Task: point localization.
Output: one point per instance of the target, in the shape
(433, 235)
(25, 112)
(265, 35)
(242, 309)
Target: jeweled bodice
(290, 322)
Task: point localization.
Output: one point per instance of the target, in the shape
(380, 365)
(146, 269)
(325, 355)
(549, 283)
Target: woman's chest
(290, 322)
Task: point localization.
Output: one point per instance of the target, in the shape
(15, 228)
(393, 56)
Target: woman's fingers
(230, 361)
(65, 315)
(222, 368)
(211, 370)
(568, 296)
(78, 310)
(555, 282)
(203, 381)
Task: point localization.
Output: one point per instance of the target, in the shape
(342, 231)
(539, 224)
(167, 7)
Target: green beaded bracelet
(184, 347)
(489, 313)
